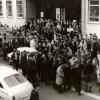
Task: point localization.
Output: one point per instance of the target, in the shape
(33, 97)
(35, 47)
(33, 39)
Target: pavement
(49, 93)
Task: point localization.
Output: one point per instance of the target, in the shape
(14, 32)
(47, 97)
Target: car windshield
(14, 80)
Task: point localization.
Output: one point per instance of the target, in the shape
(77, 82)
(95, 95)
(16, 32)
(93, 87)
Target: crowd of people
(65, 56)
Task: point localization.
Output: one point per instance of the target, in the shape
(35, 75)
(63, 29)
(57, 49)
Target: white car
(13, 86)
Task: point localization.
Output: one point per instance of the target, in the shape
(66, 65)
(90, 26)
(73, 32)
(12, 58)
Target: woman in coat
(59, 78)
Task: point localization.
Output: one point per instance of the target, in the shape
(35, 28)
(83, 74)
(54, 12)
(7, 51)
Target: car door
(3, 93)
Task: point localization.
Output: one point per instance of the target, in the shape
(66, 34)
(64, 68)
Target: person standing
(98, 66)
(44, 68)
(88, 72)
(24, 63)
(67, 76)
(33, 43)
(31, 68)
(50, 66)
(76, 76)
(57, 62)
(60, 79)
(15, 59)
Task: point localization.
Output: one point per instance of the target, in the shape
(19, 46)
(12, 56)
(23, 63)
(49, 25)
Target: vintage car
(13, 85)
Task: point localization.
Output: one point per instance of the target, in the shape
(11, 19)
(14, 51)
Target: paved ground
(48, 93)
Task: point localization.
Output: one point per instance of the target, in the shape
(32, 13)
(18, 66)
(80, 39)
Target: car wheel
(1, 98)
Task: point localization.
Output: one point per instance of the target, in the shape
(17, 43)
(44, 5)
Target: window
(94, 10)
(20, 10)
(1, 8)
(9, 8)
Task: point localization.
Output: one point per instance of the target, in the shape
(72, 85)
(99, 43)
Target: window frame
(22, 5)
(91, 5)
(2, 8)
(11, 8)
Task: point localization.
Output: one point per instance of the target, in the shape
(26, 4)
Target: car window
(15, 80)
(1, 85)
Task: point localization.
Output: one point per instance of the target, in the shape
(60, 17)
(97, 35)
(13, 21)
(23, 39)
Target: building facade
(17, 12)
(13, 12)
(91, 17)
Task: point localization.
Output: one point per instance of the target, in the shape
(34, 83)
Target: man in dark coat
(44, 68)
(34, 95)
(15, 60)
(24, 63)
(88, 72)
(50, 65)
(67, 76)
(31, 69)
(5, 50)
(76, 76)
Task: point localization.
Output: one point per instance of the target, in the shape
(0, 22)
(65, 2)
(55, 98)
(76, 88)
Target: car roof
(6, 71)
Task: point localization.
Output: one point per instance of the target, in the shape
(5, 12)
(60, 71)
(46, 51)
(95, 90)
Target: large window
(1, 8)
(9, 8)
(20, 10)
(94, 10)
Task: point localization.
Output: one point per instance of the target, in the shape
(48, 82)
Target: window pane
(0, 14)
(8, 2)
(94, 2)
(0, 2)
(19, 2)
(9, 8)
(94, 11)
(20, 15)
(0, 8)
(94, 19)
(20, 11)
